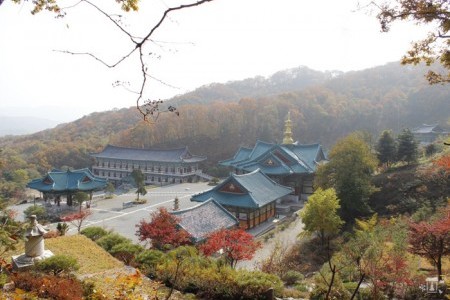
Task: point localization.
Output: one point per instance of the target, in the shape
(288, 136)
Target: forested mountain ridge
(293, 79)
(326, 108)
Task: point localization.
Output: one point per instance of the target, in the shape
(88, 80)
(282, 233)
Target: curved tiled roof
(203, 219)
(157, 155)
(258, 190)
(68, 181)
(300, 159)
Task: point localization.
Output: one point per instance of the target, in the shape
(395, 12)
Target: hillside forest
(216, 119)
(376, 226)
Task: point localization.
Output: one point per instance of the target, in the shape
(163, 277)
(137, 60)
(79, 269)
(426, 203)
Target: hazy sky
(217, 42)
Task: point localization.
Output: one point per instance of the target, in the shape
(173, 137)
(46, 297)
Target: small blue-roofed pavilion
(57, 183)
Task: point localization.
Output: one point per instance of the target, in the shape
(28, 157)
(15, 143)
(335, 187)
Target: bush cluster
(210, 280)
(49, 286)
(57, 264)
(184, 269)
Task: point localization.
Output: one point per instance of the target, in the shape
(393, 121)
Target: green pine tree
(407, 147)
(139, 180)
(386, 148)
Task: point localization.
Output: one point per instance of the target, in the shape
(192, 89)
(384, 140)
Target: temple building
(57, 183)
(160, 167)
(290, 163)
(213, 218)
(428, 133)
(250, 197)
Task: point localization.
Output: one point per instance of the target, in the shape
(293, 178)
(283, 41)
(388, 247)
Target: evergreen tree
(138, 178)
(386, 148)
(407, 147)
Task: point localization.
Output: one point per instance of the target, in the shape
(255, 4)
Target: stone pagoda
(34, 246)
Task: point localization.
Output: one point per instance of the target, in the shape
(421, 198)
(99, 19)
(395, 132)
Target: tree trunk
(333, 273)
(439, 267)
(357, 287)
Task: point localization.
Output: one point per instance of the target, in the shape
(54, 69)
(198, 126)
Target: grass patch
(90, 257)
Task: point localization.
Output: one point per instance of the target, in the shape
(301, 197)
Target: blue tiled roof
(242, 154)
(156, 155)
(258, 190)
(301, 158)
(68, 181)
(201, 220)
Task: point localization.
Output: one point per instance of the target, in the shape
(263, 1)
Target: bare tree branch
(150, 108)
(97, 58)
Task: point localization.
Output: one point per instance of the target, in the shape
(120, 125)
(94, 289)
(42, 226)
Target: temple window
(242, 216)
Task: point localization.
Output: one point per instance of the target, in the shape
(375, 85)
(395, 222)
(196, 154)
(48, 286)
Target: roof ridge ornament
(287, 139)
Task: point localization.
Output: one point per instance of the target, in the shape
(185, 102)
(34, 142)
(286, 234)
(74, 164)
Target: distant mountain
(216, 119)
(293, 79)
(24, 125)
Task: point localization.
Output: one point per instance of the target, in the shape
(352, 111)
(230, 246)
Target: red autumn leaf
(236, 245)
(162, 230)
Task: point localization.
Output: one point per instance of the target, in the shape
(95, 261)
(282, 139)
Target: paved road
(110, 214)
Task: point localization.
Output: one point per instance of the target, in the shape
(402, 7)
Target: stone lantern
(34, 246)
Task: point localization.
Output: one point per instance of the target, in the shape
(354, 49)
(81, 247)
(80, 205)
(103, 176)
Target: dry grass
(99, 267)
(91, 257)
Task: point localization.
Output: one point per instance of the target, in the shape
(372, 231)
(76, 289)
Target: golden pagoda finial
(287, 140)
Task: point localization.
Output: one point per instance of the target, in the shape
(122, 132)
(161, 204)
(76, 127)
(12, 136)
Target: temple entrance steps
(289, 204)
(202, 175)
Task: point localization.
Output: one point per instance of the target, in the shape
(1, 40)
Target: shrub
(148, 260)
(38, 210)
(51, 234)
(126, 252)
(49, 286)
(57, 264)
(94, 233)
(140, 201)
(209, 279)
(3, 279)
(62, 228)
(108, 241)
(292, 277)
(254, 284)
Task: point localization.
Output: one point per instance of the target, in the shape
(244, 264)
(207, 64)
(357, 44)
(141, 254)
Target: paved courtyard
(111, 214)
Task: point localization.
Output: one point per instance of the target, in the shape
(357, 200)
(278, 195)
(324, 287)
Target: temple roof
(203, 219)
(250, 190)
(156, 155)
(275, 159)
(427, 128)
(68, 181)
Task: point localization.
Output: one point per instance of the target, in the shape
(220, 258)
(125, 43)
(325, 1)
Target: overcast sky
(217, 42)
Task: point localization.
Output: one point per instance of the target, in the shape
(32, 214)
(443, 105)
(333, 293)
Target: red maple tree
(162, 230)
(444, 163)
(236, 245)
(431, 239)
(77, 218)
